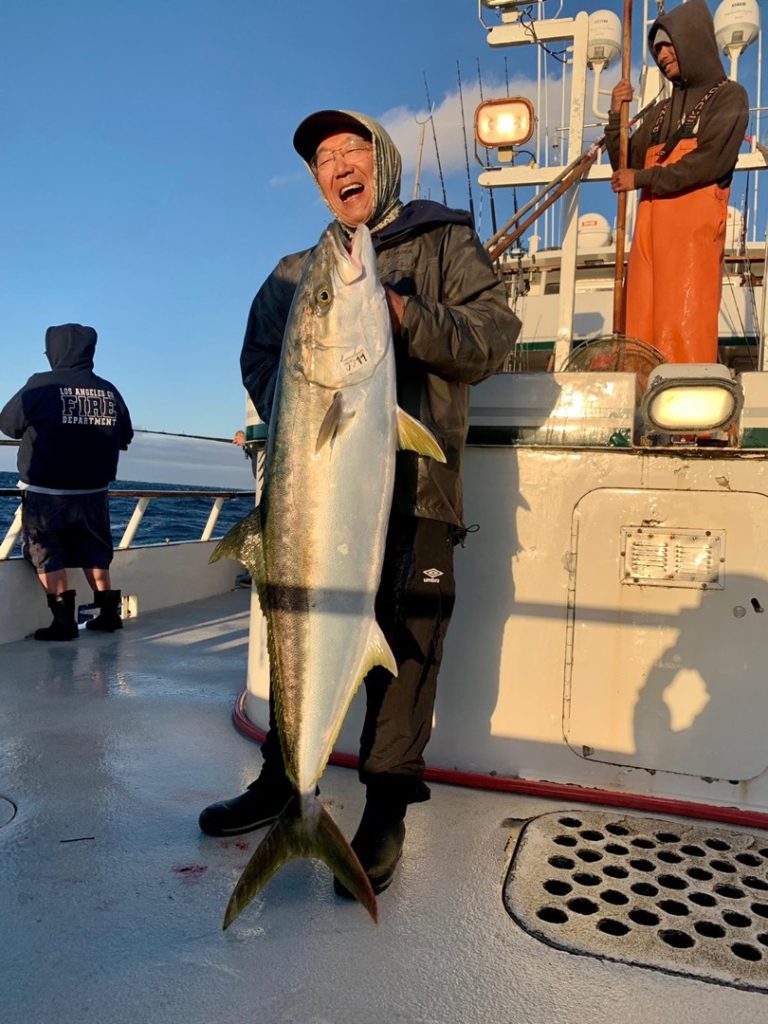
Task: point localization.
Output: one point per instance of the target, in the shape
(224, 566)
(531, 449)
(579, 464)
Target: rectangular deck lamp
(690, 398)
(503, 123)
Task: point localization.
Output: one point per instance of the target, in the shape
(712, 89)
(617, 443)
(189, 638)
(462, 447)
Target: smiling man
(452, 327)
(349, 192)
(682, 157)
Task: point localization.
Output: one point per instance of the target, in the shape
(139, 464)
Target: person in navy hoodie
(72, 426)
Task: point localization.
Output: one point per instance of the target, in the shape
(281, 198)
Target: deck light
(690, 398)
(501, 124)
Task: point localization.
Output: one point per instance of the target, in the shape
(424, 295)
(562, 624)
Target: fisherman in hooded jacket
(452, 327)
(682, 158)
(72, 425)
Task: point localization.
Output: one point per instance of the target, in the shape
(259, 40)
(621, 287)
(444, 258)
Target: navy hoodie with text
(72, 424)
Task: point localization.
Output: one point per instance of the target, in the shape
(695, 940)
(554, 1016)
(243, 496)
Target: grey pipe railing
(143, 499)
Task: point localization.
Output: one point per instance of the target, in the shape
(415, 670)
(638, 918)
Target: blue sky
(148, 179)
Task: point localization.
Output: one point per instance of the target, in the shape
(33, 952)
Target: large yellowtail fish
(315, 543)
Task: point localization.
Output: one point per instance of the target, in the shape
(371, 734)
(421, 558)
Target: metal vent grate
(683, 558)
(687, 899)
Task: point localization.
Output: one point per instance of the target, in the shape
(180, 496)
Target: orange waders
(675, 269)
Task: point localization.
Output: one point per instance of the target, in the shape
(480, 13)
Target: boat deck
(113, 899)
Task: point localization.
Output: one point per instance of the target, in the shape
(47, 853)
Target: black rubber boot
(378, 842)
(64, 625)
(108, 619)
(259, 805)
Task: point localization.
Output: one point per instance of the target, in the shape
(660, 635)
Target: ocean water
(165, 519)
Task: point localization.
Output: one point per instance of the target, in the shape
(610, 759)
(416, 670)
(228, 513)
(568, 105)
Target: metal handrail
(143, 499)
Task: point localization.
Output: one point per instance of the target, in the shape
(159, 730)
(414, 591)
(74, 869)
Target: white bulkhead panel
(666, 667)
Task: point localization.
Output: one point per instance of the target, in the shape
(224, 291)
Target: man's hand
(623, 181)
(622, 93)
(396, 305)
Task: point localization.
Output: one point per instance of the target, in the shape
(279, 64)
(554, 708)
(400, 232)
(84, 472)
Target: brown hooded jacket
(719, 130)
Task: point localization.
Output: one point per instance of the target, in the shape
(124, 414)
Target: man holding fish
(443, 322)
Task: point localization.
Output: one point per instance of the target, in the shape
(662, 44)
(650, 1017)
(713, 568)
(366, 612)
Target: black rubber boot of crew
(64, 625)
(258, 806)
(378, 843)
(108, 620)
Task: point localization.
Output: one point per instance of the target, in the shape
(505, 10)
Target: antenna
(466, 150)
(434, 138)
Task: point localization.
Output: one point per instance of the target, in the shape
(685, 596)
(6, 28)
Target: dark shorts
(66, 531)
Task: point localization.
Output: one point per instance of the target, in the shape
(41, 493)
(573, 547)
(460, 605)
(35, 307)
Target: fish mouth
(348, 264)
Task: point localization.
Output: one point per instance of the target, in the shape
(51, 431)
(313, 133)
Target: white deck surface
(112, 899)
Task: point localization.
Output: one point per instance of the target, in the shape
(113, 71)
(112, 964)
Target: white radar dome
(737, 24)
(603, 38)
(734, 223)
(594, 231)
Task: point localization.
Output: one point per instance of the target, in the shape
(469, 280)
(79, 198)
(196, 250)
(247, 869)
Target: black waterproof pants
(413, 607)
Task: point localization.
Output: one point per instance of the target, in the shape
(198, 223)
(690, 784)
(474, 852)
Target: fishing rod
(417, 180)
(466, 148)
(161, 433)
(487, 158)
(565, 180)
(193, 437)
(434, 138)
(514, 189)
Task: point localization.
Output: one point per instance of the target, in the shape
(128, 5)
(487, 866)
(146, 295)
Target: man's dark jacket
(457, 329)
(72, 424)
(720, 131)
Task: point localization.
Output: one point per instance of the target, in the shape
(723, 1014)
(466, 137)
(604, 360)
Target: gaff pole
(619, 312)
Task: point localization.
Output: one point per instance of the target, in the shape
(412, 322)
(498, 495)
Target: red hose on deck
(546, 790)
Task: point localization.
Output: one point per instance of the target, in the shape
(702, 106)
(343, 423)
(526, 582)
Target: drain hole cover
(7, 811)
(690, 899)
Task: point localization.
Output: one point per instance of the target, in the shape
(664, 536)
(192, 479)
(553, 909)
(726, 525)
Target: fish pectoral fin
(378, 652)
(415, 437)
(243, 544)
(294, 835)
(334, 421)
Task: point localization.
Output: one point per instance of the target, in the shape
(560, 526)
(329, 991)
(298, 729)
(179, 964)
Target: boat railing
(143, 498)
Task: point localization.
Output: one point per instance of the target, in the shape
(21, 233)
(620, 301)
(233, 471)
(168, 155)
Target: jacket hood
(420, 215)
(70, 347)
(386, 157)
(692, 31)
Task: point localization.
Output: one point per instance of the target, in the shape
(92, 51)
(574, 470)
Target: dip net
(615, 355)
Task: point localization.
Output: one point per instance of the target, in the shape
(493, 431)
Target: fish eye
(323, 296)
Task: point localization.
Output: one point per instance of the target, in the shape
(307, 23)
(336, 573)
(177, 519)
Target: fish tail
(297, 834)
(334, 850)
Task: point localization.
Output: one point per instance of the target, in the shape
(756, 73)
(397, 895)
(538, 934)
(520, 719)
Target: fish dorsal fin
(243, 544)
(335, 420)
(378, 652)
(415, 437)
